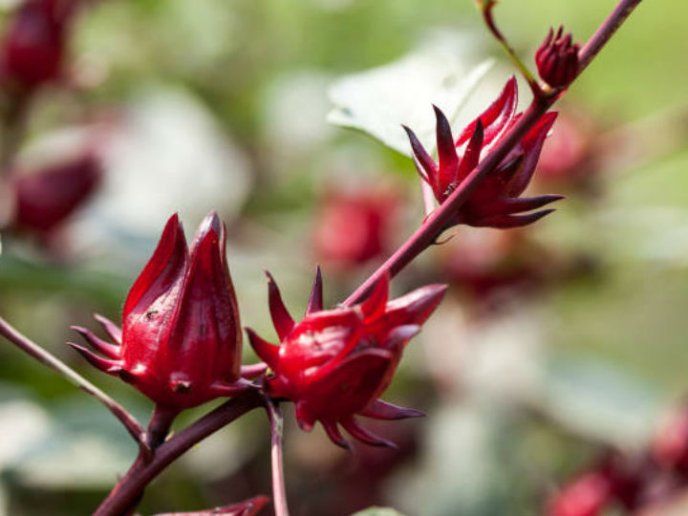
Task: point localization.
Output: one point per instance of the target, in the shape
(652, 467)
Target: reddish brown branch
(130, 488)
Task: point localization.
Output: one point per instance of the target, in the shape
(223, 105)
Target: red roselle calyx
(180, 342)
(495, 202)
(334, 364)
(33, 48)
(557, 59)
(45, 198)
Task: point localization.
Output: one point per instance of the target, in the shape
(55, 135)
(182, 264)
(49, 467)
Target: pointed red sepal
(497, 116)
(267, 352)
(366, 436)
(113, 331)
(384, 410)
(446, 151)
(400, 336)
(281, 319)
(103, 364)
(471, 157)
(164, 267)
(514, 221)
(416, 306)
(107, 349)
(374, 305)
(532, 147)
(522, 204)
(253, 370)
(424, 163)
(335, 435)
(315, 301)
(303, 417)
(229, 390)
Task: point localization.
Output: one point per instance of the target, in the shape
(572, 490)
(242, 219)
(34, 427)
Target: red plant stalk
(125, 495)
(437, 222)
(279, 491)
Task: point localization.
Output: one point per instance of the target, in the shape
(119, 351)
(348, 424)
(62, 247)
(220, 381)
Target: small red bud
(557, 59)
(33, 49)
(45, 198)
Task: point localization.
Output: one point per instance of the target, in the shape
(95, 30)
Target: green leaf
(443, 71)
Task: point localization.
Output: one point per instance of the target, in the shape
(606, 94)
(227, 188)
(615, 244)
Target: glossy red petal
(366, 436)
(267, 352)
(315, 301)
(347, 387)
(164, 268)
(497, 117)
(384, 410)
(107, 349)
(281, 319)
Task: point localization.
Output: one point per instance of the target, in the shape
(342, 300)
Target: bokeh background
(553, 343)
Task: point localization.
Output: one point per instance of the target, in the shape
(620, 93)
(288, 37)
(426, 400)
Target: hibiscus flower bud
(496, 201)
(180, 342)
(33, 49)
(334, 364)
(354, 227)
(557, 59)
(45, 198)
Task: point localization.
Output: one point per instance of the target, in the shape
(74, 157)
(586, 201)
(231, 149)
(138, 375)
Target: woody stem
(34, 350)
(279, 492)
(442, 217)
(125, 495)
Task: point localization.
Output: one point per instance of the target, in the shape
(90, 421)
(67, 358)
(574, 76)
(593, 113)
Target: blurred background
(555, 344)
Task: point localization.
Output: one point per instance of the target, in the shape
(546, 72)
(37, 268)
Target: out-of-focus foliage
(212, 104)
